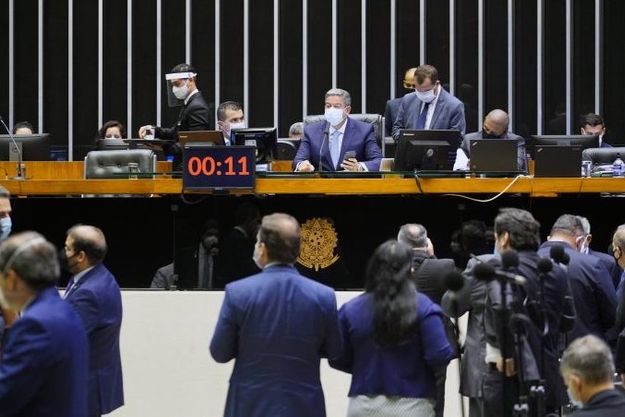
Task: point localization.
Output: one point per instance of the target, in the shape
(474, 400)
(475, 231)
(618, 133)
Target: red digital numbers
(207, 166)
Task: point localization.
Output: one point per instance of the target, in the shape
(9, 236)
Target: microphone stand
(325, 135)
(19, 175)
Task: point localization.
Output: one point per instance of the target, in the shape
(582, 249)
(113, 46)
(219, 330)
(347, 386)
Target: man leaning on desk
(327, 142)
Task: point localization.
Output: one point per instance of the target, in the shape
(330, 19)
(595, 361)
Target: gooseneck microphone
(19, 151)
(325, 135)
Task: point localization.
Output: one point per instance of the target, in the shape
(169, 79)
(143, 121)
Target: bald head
(90, 240)
(496, 122)
(280, 234)
(409, 81)
(413, 235)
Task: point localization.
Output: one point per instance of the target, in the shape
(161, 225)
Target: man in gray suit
(392, 106)
(430, 106)
(495, 127)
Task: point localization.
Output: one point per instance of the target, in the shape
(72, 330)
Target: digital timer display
(218, 167)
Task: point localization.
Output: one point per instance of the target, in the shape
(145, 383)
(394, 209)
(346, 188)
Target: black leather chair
(112, 164)
(375, 119)
(285, 150)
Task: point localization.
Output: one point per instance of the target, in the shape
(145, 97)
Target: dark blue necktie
(422, 117)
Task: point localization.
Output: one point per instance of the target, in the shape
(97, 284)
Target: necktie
(335, 147)
(69, 287)
(422, 117)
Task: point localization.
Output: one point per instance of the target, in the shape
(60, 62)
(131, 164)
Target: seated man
(392, 106)
(327, 142)
(495, 127)
(593, 124)
(23, 128)
(430, 106)
(296, 131)
(587, 369)
(230, 116)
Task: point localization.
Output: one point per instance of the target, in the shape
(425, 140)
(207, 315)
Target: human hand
(224, 127)
(351, 164)
(144, 130)
(305, 166)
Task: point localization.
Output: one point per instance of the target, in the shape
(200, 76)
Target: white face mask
(4, 304)
(181, 92)
(256, 257)
(426, 96)
(237, 125)
(5, 227)
(574, 401)
(334, 116)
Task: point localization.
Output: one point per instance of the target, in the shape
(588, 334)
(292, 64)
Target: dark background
(140, 230)
(84, 120)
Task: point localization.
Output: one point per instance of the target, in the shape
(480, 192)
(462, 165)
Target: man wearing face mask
(195, 113)
(618, 250)
(5, 214)
(593, 124)
(587, 369)
(230, 117)
(608, 261)
(495, 127)
(430, 106)
(277, 325)
(392, 106)
(94, 294)
(326, 143)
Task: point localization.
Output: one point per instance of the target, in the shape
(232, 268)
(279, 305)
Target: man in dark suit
(591, 284)
(194, 115)
(608, 261)
(392, 106)
(331, 139)
(95, 295)
(430, 106)
(495, 127)
(618, 250)
(276, 325)
(230, 117)
(44, 357)
(587, 369)
(593, 124)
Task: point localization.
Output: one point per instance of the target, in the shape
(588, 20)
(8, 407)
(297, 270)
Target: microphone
(544, 265)
(509, 259)
(326, 132)
(486, 272)
(19, 151)
(557, 253)
(454, 281)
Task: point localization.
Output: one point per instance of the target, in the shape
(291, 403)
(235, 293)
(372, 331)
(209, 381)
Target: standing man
(618, 250)
(95, 295)
(276, 325)
(230, 117)
(44, 357)
(326, 143)
(195, 113)
(5, 230)
(495, 127)
(430, 106)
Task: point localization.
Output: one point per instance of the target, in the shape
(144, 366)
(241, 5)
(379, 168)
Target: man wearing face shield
(495, 127)
(430, 106)
(328, 144)
(195, 113)
(593, 124)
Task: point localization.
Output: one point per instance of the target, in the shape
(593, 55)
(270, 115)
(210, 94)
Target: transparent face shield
(172, 100)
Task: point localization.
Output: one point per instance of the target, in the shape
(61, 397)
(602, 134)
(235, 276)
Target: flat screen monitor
(578, 141)
(426, 150)
(111, 144)
(34, 147)
(264, 138)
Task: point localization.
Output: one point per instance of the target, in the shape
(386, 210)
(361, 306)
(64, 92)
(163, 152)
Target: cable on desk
(488, 200)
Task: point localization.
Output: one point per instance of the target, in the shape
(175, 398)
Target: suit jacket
(44, 365)
(429, 274)
(359, 137)
(97, 299)
(608, 403)
(593, 292)
(448, 114)
(390, 114)
(521, 152)
(610, 264)
(276, 325)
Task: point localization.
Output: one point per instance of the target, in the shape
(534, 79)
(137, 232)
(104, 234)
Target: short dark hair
(227, 105)
(281, 235)
(33, 259)
(93, 244)
(568, 224)
(111, 123)
(23, 124)
(521, 226)
(184, 68)
(591, 119)
(426, 71)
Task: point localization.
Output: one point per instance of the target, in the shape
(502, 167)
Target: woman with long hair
(393, 340)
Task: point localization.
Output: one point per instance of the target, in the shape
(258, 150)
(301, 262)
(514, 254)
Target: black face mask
(64, 260)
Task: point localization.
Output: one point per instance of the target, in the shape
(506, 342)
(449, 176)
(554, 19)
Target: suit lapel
(81, 282)
(440, 105)
(326, 159)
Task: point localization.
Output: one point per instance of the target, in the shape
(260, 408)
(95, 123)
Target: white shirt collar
(81, 274)
(191, 94)
(341, 129)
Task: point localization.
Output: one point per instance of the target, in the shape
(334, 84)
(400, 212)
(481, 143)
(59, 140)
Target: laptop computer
(557, 161)
(493, 155)
(215, 137)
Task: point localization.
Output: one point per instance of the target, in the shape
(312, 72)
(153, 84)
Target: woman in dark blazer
(393, 340)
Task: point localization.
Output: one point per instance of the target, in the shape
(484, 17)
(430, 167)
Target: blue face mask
(5, 227)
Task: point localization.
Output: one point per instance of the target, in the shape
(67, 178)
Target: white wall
(168, 371)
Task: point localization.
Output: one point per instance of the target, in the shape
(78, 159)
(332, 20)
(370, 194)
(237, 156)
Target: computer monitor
(215, 137)
(34, 147)
(111, 144)
(579, 141)
(264, 138)
(426, 150)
